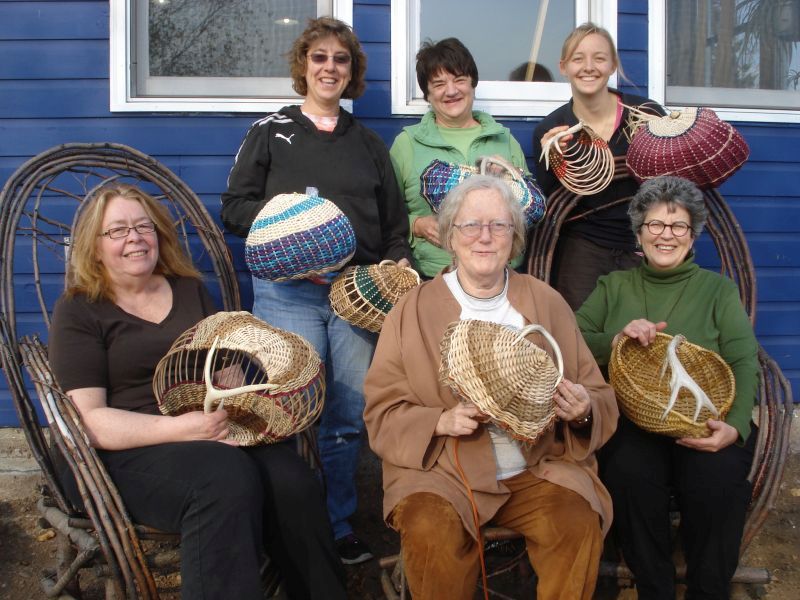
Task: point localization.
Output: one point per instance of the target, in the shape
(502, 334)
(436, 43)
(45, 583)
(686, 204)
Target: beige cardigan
(404, 400)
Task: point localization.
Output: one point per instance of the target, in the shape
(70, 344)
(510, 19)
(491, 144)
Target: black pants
(230, 505)
(577, 263)
(642, 470)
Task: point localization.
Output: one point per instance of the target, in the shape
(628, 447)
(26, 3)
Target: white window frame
(657, 89)
(122, 66)
(499, 98)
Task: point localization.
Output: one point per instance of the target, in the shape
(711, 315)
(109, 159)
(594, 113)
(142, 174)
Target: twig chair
(774, 393)
(38, 207)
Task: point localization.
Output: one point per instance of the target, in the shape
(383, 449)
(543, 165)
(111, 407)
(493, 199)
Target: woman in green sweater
(451, 132)
(708, 476)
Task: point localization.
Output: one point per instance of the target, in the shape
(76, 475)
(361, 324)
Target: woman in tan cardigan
(550, 491)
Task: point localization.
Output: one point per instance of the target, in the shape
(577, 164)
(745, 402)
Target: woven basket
(693, 143)
(643, 394)
(440, 177)
(296, 236)
(586, 166)
(508, 377)
(246, 350)
(363, 295)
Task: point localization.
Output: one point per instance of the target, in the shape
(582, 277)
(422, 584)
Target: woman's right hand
(462, 419)
(427, 227)
(198, 425)
(642, 330)
(552, 132)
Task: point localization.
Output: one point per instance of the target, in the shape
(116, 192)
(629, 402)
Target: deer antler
(680, 378)
(213, 394)
(585, 167)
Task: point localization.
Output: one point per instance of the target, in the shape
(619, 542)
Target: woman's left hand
(572, 401)
(722, 436)
(403, 262)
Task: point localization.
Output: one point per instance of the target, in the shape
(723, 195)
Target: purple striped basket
(296, 236)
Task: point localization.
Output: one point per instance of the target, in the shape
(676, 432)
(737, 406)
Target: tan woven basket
(284, 375)
(363, 295)
(643, 393)
(506, 376)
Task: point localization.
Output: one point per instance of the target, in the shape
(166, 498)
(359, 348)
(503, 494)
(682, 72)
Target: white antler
(680, 378)
(213, 394)
(553, 143)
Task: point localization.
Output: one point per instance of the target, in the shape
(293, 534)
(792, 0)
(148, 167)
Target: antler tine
(213, 394)
(680, 378)
(553, 143)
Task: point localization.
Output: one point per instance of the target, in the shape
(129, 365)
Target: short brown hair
(578, 34)
(318, 29)
(87, 276)
(448, 55)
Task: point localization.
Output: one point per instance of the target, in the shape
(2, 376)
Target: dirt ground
(25, 549)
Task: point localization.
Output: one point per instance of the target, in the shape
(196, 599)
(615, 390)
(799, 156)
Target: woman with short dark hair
(451, 132)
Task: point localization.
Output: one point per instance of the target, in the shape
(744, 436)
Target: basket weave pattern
(693, 143)
(255, 353)
(296, 236)
(363, 295)
(440, 177)
(643, 394)
(506, 376)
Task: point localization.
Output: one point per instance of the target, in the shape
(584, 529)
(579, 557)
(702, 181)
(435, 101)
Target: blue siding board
(56, 59)
(53, 20)
(54, 90)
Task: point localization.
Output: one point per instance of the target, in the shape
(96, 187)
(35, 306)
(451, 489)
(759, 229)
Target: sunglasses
(320, 58)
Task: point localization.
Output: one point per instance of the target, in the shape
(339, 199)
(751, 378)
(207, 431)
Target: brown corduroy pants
(562, 534)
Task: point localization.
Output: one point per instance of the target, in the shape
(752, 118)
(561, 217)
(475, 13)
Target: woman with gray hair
(549, 491)
(708, 476)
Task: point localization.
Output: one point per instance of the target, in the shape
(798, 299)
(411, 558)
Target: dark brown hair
(448, 55)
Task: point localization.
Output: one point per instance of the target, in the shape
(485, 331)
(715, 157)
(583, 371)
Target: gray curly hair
(672, 191)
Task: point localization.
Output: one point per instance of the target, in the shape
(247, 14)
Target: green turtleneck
(702, 305)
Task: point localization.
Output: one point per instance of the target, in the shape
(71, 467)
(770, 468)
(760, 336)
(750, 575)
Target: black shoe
(352, 550)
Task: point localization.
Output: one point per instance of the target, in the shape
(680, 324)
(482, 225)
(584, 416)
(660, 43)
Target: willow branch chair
(774, 393)
(38, 208)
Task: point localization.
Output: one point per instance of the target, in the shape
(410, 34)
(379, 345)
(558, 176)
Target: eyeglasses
(678, 228)
(472, 229)
(320, 58)
(117, 233)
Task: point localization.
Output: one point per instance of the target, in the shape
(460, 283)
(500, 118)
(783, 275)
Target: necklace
(671, 308)
(497, 295)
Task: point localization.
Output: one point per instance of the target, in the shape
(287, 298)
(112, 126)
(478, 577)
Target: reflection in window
(734, 44)
(516, 40)
(235, 38)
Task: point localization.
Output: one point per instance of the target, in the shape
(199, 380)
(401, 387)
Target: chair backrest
(775, 394)
(38, 209)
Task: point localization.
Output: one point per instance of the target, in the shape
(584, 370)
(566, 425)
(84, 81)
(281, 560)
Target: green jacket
(702, 305)
(417, 145)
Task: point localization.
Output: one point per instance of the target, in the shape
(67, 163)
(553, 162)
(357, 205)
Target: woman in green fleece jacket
(708, 476)
(451, 132)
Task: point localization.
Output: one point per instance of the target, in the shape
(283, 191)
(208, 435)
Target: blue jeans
(302, 307)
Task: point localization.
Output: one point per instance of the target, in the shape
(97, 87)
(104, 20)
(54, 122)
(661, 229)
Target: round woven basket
(363, 295)
(440, 177)
(246, 351)
(643, 393)
(692, 143)
(296, 236)
(508, 377)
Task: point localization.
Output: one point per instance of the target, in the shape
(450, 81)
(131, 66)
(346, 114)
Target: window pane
(717, 50)
(509, 40)
(234, 38)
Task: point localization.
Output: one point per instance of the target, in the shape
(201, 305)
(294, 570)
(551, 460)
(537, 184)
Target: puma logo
(283, 137)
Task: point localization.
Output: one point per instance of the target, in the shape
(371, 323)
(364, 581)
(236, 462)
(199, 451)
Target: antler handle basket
(284, 375)
(643, 388)
(505, 375)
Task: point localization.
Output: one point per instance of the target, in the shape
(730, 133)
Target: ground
(25, 548)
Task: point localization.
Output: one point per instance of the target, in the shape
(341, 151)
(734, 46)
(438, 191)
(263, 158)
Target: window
(516, 45)
(207, 55)
(741, 57)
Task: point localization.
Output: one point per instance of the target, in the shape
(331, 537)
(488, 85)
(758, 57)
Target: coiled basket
(243, 351)
(508, 377)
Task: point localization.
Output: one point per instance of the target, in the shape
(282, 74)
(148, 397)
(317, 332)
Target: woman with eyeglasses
(131, 293)
(548, 491)
(451, 131)
(320, 145)
(708, 476)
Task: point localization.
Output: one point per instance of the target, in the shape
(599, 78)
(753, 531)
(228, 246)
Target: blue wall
(54, 89)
